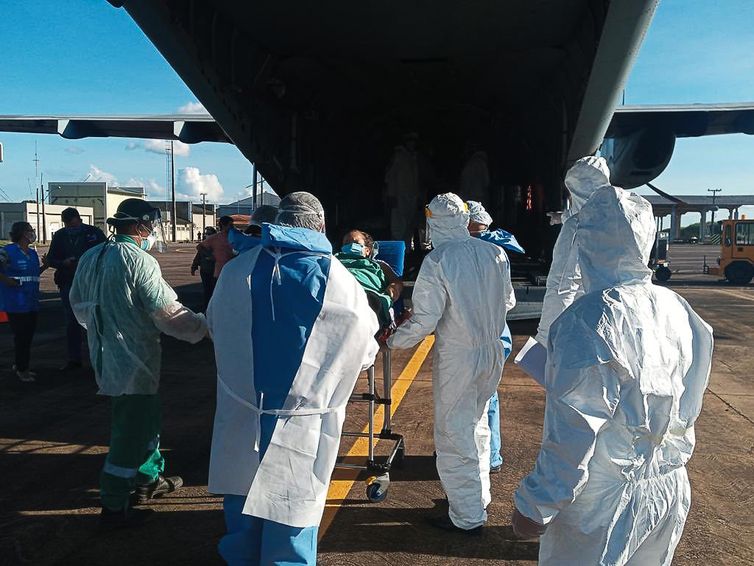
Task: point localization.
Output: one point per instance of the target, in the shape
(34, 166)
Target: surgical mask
(147, 243)
(353, 248)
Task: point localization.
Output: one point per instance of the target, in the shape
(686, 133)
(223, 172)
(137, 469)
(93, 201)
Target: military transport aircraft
(318, 95)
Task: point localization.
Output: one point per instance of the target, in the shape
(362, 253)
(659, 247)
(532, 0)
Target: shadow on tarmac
(409, 533)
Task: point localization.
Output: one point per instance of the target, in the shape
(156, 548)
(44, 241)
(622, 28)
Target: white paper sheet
(532, 359)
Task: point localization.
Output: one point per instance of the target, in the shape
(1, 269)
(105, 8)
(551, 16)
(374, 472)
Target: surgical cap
(301, 209)
(264, 213)
(478, 214)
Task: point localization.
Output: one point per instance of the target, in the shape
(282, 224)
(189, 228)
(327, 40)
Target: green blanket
(370, 276)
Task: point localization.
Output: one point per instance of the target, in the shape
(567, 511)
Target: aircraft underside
(318, 95)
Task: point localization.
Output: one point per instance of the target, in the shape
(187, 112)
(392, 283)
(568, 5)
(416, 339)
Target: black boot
(157, 488)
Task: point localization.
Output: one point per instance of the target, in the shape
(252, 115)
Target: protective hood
(615, 234)
(586, 176)
(448, 219)
(477, 213)
(301, 239)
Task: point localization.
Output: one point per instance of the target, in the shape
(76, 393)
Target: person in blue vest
(479, 224)
(19, 286)
(67, 246)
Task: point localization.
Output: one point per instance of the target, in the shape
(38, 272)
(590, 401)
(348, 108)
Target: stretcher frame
(373, 398)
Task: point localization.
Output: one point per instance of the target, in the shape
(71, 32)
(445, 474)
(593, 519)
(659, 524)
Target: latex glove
(525, 528)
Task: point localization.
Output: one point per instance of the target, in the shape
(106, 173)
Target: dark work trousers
(73, 330)
(23, 325)
(208, 285)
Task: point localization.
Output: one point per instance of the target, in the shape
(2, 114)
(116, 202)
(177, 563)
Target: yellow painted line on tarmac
(340, 488)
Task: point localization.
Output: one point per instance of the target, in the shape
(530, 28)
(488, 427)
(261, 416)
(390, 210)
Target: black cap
(134, 210)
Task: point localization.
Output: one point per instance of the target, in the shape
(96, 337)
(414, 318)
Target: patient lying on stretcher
(382, 285)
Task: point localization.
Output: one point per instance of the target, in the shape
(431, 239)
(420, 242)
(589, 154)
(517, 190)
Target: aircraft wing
(188, 128)
(684, 120)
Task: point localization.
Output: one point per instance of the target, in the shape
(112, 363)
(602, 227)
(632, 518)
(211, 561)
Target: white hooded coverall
(402, 187)
(564, 279)
(628, 364)
(463, 292)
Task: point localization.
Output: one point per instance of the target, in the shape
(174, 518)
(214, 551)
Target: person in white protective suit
(120, 297)
(564, 279)
(628, 364)
(462, 293)
(402, 189)
(475, 178)
(292, 330)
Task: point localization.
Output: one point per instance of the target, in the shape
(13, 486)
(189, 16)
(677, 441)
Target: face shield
(156, 238)
(151, 230)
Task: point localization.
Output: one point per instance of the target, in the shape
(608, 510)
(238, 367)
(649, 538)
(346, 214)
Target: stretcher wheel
(377, 488)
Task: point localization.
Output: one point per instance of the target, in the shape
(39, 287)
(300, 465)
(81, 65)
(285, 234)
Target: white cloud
(192, 108)
(160, 147)
(97, 174)
(192, 183)
(154, 190)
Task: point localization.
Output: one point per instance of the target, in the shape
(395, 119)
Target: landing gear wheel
(377, 488)
(663, 273)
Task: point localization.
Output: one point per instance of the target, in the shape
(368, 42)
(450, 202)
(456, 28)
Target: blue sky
(84, 56)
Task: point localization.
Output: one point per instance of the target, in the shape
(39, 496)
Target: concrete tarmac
(54, 435)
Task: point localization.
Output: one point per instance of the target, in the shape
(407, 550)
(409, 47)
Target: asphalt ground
(54, 435)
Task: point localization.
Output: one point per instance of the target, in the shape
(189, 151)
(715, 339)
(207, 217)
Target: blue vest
(24, 298)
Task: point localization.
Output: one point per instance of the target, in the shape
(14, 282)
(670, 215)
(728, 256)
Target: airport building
(189, 222)
(103, 199)
(246, 206)
(45, 224)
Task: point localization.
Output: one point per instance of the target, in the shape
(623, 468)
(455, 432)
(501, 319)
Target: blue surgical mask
(353, 249)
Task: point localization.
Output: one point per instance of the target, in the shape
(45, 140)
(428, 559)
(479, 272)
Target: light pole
(173, 219)
(204, 212)
(714, 195)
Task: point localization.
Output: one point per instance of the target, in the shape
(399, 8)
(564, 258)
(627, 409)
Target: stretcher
(378, 482)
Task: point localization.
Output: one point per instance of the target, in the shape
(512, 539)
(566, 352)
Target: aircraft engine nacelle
(640, 157)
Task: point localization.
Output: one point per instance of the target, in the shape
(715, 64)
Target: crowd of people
(293, 325)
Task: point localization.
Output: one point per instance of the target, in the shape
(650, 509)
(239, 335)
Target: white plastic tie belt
(276, 276)
(259, 411)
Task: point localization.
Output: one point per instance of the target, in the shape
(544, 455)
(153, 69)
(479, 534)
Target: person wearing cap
(218, 244)
(462, 294)
(292, 330)
(120, 298)
(67, 246)
(479, 224)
